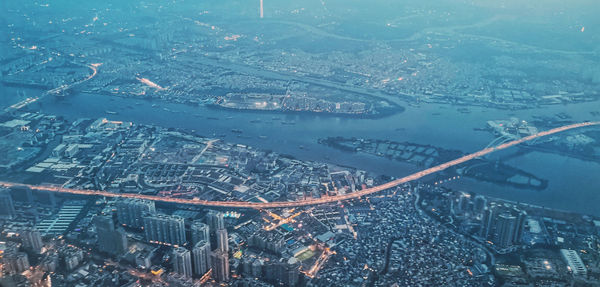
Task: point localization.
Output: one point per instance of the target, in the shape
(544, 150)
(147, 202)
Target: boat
(236, 131)
(110, 112)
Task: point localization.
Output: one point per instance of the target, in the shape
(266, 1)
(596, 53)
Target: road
(314, 201)
(58, 90)
(240, 67)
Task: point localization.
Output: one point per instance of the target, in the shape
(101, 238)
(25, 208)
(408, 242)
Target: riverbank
(441, 125)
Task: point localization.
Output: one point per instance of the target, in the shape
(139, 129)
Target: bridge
(58, 90)
(313, 201)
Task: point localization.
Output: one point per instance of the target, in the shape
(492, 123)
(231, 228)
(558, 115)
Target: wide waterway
(571, 181)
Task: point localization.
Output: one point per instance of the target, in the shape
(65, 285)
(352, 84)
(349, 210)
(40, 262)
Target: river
(571, 181)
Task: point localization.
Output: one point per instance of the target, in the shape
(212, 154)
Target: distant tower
(164, 229)
(521, 218)
(463, 202)
(480, 204)
(505, 230)
(487, 220)
(201, 255)
(262, 15)
(32, 239)
(220, 266)
(130, 211)
(215, 221)
(7, 209)
(200, 232)
(222, 240)
(15, 262)
(182, 261)
(110, 240)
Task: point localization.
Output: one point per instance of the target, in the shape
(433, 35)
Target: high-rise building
(480, 204)
(215, 221)
(201, 254)
(164, 229)
(110, 240)
(503, 224)
(21, 194)
(103, 224)
(257, 268)
(223, 240)
(15, 262)
(200, 232)
(271, 241)
(130, 211)
(45, 198)
(291, 273)
(50, 262)
(463, 203)
(574, 262)
(71, 257)
(284, 272)
(220, 266)
(182, 261)
(32, 239)
(7, 209)
(505, 230)
(521, 217)
(487, 220)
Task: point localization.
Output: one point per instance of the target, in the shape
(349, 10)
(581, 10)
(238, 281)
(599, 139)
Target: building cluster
(24, 136)
(396, 243)
(164, 62)
(120, 156)
(554, 245)
(446, 238)
(292, 102)
(500, 225)
(512, 128)
(414, 235)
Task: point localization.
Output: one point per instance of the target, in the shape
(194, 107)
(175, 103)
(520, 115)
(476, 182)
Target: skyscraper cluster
(131, 211)
(7, 209)
(110, 240)
(200, 232)
(190, 259)
(201, 254)
(32, 239)
(503, 225)
(164, 229)
(220, 257)
(182, 261)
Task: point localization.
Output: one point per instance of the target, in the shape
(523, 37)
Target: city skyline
(299, 143)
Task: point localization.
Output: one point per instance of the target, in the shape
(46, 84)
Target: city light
(315, 201)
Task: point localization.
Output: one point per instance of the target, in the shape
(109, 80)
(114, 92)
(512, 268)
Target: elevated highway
(314, 201)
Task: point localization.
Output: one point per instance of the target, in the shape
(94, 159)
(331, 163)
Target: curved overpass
(315, 201)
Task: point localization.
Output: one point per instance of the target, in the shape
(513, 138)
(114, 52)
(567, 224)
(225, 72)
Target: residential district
(199, 58)
(417, 234)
